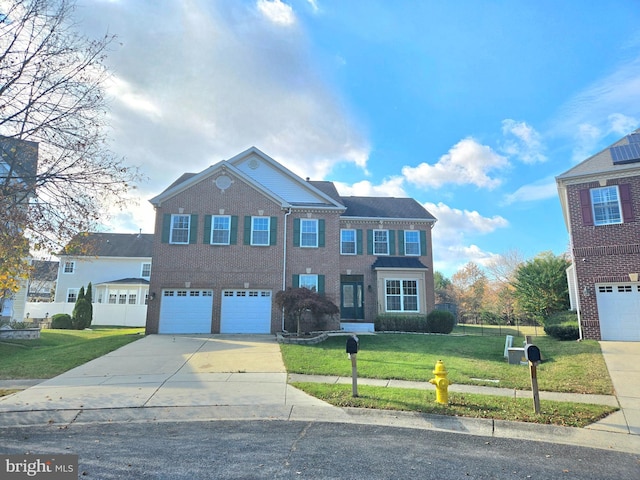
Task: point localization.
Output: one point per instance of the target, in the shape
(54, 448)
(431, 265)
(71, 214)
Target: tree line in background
(508, 290)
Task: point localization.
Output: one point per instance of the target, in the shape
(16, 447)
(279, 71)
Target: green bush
(61, 321)
(440, 321)
(565, 331)
(401, 323)
(562, 325)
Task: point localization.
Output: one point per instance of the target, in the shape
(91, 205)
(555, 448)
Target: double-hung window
(401, 295)
(308, 233)
(605, 202)
(146, 270)
(72, 295)
(69, 267)
(180, 229)
(411, 242)
(381, 242)
(308, 281)
(348, 242)
(220, 230)
(260, 230)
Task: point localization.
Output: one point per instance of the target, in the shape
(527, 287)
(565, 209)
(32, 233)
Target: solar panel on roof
(634, 138)
(623, 154)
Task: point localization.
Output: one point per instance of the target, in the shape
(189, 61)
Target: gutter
(284, 260)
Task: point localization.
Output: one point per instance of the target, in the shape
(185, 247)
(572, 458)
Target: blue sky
(470, 107)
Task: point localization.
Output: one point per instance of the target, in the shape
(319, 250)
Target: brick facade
(606, 253)
(203, 266)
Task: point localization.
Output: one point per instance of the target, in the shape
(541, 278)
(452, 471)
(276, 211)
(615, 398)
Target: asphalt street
(315, 450)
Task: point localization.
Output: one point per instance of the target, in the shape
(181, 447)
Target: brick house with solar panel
(233, 235)
(600, 200)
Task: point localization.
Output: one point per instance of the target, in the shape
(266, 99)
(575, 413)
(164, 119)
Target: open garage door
(246, 311)
(619, 311)
(186, 311)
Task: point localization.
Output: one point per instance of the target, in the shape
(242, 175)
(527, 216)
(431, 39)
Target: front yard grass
(57, 351)
(463, 405)
(574, 367)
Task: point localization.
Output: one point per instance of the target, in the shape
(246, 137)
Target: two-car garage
(191, 311)
(619, 311)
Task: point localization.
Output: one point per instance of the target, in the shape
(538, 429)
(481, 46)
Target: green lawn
(463, 405)
(576, 367)
(57, 351)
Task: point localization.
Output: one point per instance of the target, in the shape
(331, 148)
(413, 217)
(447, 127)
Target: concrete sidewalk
(242, 377)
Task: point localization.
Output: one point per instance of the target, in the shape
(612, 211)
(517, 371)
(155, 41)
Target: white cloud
(136, 101)
(391, 187)
(610, 104)
(535, 191)
(467, 162)
(215, 80)
(452, 236)
(621, 125)
(277, 11)
(523, 142)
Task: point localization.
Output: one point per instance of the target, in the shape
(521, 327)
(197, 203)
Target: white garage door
(246, 311)
(186, 311)
(619, 311)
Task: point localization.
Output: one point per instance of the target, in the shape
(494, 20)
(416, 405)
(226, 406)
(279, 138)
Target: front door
(351, 301)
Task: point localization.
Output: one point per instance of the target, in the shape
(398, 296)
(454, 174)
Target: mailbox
(352, 344)
(532, 353)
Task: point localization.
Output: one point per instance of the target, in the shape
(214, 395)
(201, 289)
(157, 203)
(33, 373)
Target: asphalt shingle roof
(397, 262)
(384, 207)
(110, 245)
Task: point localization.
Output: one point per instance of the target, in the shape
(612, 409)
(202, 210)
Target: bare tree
(52, 100)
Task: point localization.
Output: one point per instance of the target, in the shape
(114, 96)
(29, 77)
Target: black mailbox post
(352, 344)
(352, 349)
(532, 354)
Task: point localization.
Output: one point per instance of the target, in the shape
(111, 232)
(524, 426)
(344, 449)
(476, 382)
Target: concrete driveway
(623, 363)
(172, 371)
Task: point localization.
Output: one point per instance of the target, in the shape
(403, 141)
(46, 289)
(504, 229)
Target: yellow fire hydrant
(441, 382)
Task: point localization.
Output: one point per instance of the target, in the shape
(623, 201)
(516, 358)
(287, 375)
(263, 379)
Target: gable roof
(289, 190)
(604, 164)
(262, 173)
(132, 245)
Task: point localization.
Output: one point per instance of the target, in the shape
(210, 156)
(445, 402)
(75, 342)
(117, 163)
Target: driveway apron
(172, 371)
(623, 363)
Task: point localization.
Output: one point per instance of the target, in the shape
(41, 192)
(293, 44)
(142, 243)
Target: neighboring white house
(118, 265)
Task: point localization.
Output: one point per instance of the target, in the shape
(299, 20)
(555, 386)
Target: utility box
(516, 356)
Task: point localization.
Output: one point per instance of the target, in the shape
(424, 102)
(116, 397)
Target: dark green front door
(351, 301)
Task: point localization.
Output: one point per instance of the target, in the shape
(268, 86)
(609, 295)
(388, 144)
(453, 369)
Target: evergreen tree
(81, 317)
(89, 297)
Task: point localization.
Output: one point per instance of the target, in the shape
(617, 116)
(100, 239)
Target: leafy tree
(52, 100)
(541, 285)
(470, 284)
(500, 300)
(297, 301)
(81, 316)
(443, 287)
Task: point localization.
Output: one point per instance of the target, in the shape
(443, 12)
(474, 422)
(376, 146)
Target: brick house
(600, 200)
(232, 236)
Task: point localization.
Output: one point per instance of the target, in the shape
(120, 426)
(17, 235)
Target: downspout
(284, 260)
